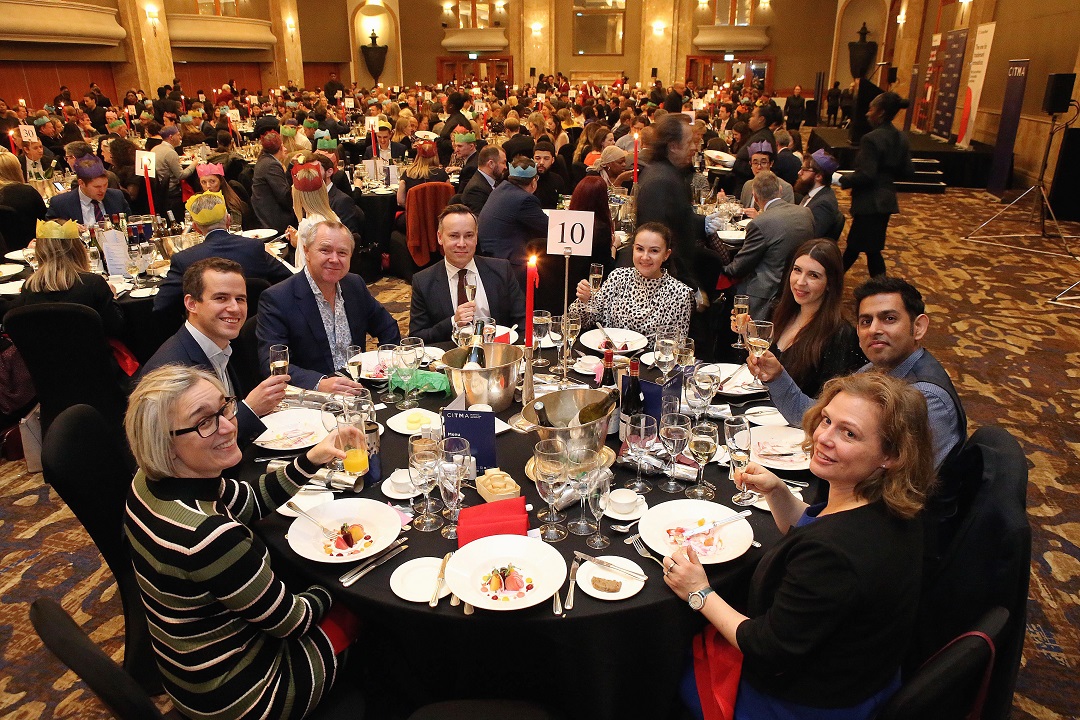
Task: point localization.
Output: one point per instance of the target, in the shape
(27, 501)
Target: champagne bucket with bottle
(492, 384)
(562, 407)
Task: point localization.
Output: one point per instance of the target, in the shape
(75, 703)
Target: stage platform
(959, 168)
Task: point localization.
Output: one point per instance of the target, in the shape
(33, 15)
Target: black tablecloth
(379, 211)
(601, 660)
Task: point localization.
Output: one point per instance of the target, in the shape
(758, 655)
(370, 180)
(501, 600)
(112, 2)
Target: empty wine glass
(405, 363)
(423, 442)
(640, 435)
(674, 434)
(598, 489)
(417, 345)
(541, 328)
(759, 338)
(704, 440)
(549, 459)
(582, 464)
(700, 389)
(737, 439)
(330, 412)
(133, 259)
(667, 341)
(741, 308)
(386, 362)
(424, 473)
(454, 457)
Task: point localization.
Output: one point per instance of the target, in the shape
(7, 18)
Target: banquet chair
(69, 359)
(19, 228)
(88, 464)
(986, 563)
(482, 710)
(952, 684)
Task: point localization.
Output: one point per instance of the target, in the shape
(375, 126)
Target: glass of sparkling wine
(279, 359)
(132, 263)
(541, 328)
(737, 439)
(704, 440)
(353, 362)
(470, 286)
(759, 338)
(664, 353)
(742, 307)
(684, 353)
(596, 276)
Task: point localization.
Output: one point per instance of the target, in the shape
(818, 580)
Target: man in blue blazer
(512, 216)
(212, 221)
(437, 297)
(92, 200)
(320, 312)
(215, 296)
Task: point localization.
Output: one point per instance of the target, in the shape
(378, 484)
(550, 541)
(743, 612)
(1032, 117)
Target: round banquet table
(603, 659)
(379, 210)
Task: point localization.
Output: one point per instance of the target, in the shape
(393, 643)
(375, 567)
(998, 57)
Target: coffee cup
(624, 501)
(400, 481)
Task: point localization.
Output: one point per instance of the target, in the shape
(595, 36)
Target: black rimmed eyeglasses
(210, 424)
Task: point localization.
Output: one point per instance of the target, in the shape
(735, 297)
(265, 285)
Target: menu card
(476, 426)
(115, 248)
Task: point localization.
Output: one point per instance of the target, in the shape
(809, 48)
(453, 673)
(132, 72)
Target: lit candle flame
(532, 260)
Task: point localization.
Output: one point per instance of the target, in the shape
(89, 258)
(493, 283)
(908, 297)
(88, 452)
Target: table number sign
(570, 229)
(28, 133)
(350, 103)
(146, 161)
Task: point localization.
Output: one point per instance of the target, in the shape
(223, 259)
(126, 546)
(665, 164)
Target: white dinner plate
(765, 416)
(381, 523)
(400, 423)
(432, 353)
(426, 135)
(735, 537)
(536, 560)
(370, 366)
(14, 287)
(143, 292)
(630, 587)
(744, 222)
(721, 157)
(732, 235)
(633, 340)
(305, 501)
(763, 503)
(634, 514)
(260, 233)
(779, 448)
(501, 330)
(737, 385)
(388, 490)
(647, 358)
(15, 255)
(294, 429)
(9, 269)
(415, 580)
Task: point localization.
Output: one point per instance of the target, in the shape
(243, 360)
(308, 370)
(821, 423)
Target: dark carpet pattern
(1015, 357)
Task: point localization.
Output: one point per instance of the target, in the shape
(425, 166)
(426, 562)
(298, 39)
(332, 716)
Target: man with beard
(814, 186)
(490, 169)
(549, 184)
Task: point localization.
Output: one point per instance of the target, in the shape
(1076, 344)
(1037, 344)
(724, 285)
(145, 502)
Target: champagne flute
(423, 442)
(640, 435)
(550, 461)
(405, 363)
(353, 361)
(134, 256)
(330, 412)
(598, 490)
(582, 464)
(571, 326)
(541, 328)
(664, 353)
(759, 338)
(424, 473)
(417, 346)
(279, 359)
(596, 276)
(700, 389)
(470, 286)
(454, 457)
(674, 434)
(742, 307)
(737, 439)
(386, 361)
(702, 446)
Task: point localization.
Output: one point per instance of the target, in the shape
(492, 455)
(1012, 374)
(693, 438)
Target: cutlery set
(369, 564)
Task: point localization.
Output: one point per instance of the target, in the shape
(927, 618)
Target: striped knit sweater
(231, 640)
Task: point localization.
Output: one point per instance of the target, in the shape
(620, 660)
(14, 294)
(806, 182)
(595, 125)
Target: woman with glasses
(230, 637)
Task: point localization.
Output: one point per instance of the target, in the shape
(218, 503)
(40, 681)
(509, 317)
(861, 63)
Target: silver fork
(327, 532)
(644, 552)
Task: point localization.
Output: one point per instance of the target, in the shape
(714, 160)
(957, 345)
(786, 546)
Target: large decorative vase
(375, 56)
(861, 55)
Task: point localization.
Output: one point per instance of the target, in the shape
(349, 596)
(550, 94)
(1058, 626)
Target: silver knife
(728, 378)
(569, 604)
(374, 565)
(440, 579)
(609, 566)
(709, 527)
(367, 561)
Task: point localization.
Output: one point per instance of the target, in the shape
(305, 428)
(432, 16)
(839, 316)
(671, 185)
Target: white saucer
(630, 586)
(586, 365)
(763, 504)
(647, 358)
(143, 292)
(414, 580)
(633, 515)
(305, 501)
(388, 490)
(760, 417)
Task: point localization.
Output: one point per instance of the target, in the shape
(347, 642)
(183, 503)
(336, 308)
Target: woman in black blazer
(23, 199)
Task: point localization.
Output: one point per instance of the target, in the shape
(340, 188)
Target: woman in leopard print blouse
(644, 298)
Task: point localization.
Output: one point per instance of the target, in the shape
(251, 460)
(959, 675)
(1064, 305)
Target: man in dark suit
(517, 142)
(771, 237)
(215, 297)
(786, 164)
(37, 161)
(674, 101)
(96, 113)
(438, 292)
(512, 216)
(466, 158)
(758, 121)
(319, 312)
(549, 183)
(92, 200)
(271, 191)
(490, 169)
(212, 221)
(382, 138)
(815, 187)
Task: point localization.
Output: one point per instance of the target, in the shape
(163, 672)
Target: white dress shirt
(483, 308)
(86, 203)
(813, 191)
(219, 358)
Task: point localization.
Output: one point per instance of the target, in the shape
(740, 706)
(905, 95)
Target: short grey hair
(766, 186)
(151, 413)
(783, 139)
(330, 226)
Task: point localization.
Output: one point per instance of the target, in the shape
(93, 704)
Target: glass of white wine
(674, 434)
(684, 353)
(133, 260)
(664, 348)
(470, 286)
(541, 329)
(704, 439)
(353, 361)
(759, 338)
(279, 359)
(596, 276)
(742, 307)
(737, 439)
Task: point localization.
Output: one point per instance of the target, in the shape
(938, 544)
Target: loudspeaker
(532, 72)
(654, 73)
(892, 75)
(1059, 87)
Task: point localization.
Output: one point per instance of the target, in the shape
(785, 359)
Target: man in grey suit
(271, 191)
(815, 187)
(490, 169)
(762, 158)
(771, 237)
(439, 295)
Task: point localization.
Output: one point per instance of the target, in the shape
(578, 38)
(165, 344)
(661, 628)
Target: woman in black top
(23, 199)
(833, 603)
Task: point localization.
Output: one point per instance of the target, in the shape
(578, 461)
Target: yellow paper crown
(67, 230)
(209, 212)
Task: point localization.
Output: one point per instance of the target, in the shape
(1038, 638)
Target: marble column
(147, 45)
(288, 55)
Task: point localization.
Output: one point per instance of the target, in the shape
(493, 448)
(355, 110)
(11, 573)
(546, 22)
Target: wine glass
(454, 457)
(463, 332)
(737, 439)
(353, 361)
(582, 464)
(674, 434)
(759, 338)
(742, 307)
(386, 361)
(424, 442)
(704, 440)
(330, 412)
(570, 327)
(598, 489)
(700, 389)
(417, 346)
(424, 473)
(279, 359)
(664, 353)
(640, 435)
(470, 286)
(133, 260)
(550, 461)
(30, 256)
(596, 276)
(405, 363)
(684, 353)
(541, 327)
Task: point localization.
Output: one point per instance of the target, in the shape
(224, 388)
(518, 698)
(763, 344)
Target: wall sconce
(290, 24)
(500, 6)
(764, 4)
(703, 5)
(901, 18)
(448, 8)
(536, 28)
(658, 27)
(152, 13)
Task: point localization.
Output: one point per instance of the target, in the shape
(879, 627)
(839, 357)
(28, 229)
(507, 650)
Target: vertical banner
(913, 89)
(1010, 121)
(984, 37)
(923, 114)
(952, 63)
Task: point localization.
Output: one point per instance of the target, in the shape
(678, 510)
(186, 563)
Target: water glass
(700, 389)
(640, 435)
(454, 463)
(582, 463)
(550, 462)
(386, 361)
(424, 473)
(417, 345)
(418, 443)
(405, 364)
(664, 353)
(674, 434)
(598, 490)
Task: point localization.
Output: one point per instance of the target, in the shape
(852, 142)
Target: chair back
(87, 462)
(49, 336)
(19, 228)
(422, 207)
(67, 641)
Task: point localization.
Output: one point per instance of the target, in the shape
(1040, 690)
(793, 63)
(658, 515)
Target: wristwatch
(697, 598)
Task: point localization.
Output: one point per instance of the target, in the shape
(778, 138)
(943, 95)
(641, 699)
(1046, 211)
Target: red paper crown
(307, 177)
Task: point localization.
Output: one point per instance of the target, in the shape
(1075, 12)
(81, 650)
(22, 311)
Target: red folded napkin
(502, 517)
(717, 668)
(505, 339)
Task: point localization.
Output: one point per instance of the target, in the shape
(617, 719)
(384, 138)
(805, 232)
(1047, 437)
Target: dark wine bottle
(607, 379)
(608, 382)
(633, 402)
(541, 415)
(476, 346)
(600, 408)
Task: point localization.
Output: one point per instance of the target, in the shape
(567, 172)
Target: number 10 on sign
(571, 229)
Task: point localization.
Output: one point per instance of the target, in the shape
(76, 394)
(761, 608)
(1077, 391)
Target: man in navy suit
(815, 186)
(215, 296)
(490, 170)
(320, 312)
(512, 216)
(438, 297)
(343, 205)
(212, 221)
(92, 200)
(382, 138)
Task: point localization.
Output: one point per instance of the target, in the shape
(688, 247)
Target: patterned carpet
(1015, 356)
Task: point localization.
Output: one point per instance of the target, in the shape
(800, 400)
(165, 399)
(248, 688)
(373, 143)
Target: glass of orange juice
(351, 439)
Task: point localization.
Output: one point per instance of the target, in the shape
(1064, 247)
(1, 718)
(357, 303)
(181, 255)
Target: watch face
(696, 601)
